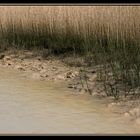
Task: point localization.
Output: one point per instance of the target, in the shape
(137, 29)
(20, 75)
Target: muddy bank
(128, 108)
(52, 69)
(38, 68)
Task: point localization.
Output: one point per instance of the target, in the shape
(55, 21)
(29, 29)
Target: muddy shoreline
(54, 69)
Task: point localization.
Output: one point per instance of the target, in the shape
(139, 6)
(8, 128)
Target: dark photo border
(68, 3)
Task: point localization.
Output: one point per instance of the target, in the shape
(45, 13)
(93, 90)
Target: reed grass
(110, 34)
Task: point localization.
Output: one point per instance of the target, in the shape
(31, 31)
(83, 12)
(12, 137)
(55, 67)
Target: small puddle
(41, 107)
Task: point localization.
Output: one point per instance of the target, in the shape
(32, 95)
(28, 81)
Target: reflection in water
(29, 106)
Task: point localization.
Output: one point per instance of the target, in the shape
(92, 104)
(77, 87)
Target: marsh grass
(110, 35)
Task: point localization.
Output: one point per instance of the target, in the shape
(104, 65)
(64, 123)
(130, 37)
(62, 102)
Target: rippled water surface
(32, 106)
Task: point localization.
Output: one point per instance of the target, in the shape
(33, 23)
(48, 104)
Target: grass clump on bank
(109, 34)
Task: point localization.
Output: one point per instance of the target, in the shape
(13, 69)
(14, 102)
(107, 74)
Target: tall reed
(110, 34)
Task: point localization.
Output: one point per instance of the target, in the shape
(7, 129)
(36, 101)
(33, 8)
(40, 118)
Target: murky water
(31, 106)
